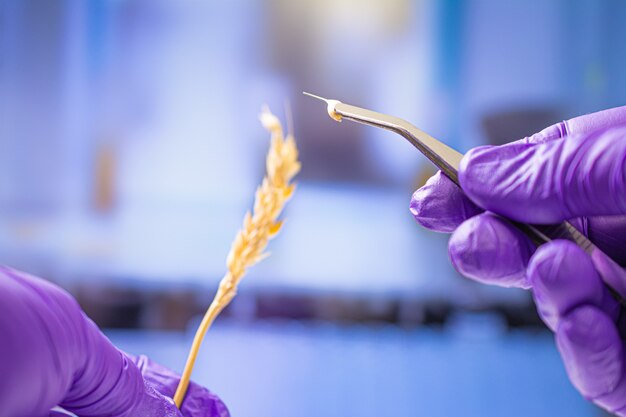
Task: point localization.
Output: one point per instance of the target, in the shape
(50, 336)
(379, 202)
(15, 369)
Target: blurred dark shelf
(174, 310)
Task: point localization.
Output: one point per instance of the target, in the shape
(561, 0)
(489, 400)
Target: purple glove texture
(574, 170)
(52, 354)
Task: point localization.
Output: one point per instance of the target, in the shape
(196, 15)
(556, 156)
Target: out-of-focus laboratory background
(130, 149)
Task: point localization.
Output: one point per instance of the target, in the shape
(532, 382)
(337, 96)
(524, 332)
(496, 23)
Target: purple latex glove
(574, 170)
(52, 354)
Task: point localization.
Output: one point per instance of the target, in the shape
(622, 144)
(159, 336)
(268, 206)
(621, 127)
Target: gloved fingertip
(421, 210)
(563, 277)
(440, 205)
(487, 249)
(591, 349)
(476, 156)
(477, 171)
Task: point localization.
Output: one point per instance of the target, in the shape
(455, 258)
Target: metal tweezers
(448, 161)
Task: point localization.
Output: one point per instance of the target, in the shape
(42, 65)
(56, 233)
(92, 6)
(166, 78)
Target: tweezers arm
(440, 154)
(543, 233)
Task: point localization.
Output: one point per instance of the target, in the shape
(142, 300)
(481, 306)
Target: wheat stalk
(258, 228)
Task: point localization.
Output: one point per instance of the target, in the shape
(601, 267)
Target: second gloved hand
(52, 354)
(575, 170)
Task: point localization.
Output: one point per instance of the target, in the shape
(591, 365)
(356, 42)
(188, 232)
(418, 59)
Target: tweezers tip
(314, 96)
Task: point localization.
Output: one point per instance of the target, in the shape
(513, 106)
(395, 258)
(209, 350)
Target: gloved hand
(52, 354)
(575, 170)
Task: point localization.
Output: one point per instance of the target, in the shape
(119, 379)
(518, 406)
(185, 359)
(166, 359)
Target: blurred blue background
(130, 150)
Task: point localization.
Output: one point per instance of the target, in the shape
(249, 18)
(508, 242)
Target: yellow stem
(214, 309)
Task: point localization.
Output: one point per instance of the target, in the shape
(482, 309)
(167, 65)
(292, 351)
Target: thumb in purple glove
(573, 170)
(52, 354)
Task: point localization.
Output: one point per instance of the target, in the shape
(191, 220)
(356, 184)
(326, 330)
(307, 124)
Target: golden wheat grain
(258, 228)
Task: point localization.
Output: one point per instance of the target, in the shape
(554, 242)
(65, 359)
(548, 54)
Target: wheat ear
(258, 228)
